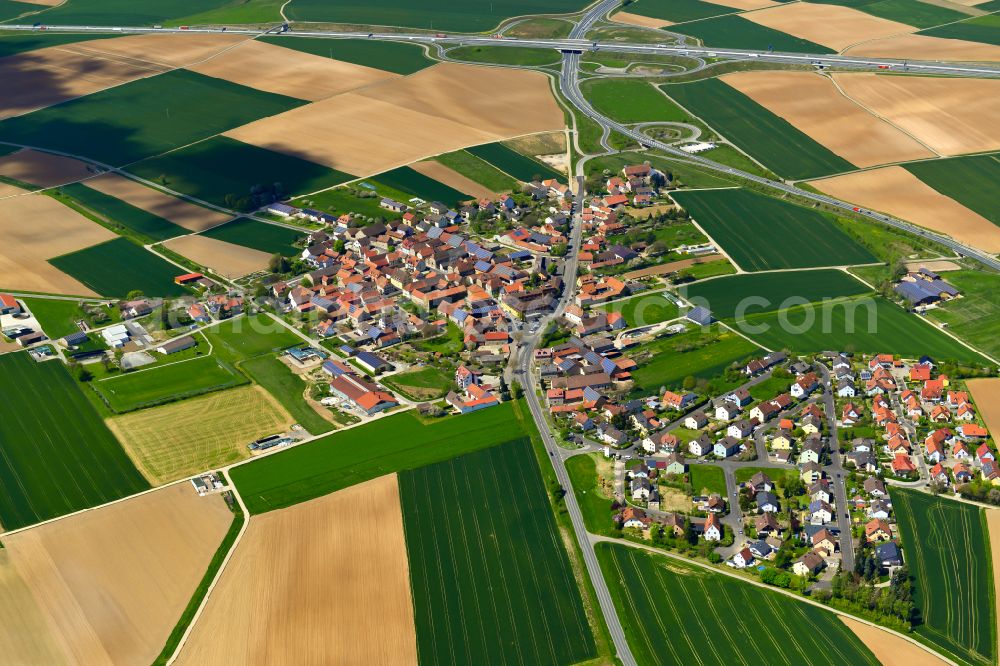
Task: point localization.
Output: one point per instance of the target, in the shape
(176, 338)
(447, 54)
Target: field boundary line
(599, 539)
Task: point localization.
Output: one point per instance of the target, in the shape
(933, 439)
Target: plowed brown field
(629, 18)
(890, 649)
(227, 259)
(43, 169)
(289, 72)
(813, 104)
(107, 586)
(180, 212)
(36, 228)
(950, 115)
(322, 582)
(832, 26)
(360, 133)
(927, 48)
(896, 191)
(986, 396)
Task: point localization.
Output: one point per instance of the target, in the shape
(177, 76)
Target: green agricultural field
(143, 118)
(736, 32)
(58, 456)
(762, 292)
(596, 507)
(508, 593)
(389, 56)
(761, 233)
(118, 266)
(967, 180)
(678, 11)
(976, 316)
(632, 100)
(123, 12)
(505, 55)
(770, 387)
(10, 9)
(425, 14)
(645, 309)
(387, 445)
(478, 170)
(235, 12)
(947, 548)
(277, 379)
(58, 318)
(510, 161)
(241, 338)
(771, 140)
(912, 12)
(707, 478)
(259, 235)
(12, 43)
(984, 29)
(166, 383)
(340, 200)
(676, 613)
(868, 324)
(417, 184)
(118, 213)
(428, 383)
(700, 354)
(223, 171)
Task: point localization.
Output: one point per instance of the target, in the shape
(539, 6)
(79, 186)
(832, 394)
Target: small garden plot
(118, 266)
(428, 383)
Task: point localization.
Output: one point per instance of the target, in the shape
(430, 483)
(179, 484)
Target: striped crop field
(947, 548)
(675, 613)
(491, 580)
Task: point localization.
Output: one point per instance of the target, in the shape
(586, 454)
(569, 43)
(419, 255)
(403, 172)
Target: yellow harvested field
(890, 649)
(993, 525)
(986, 396)
(896, 191)
(40, 78)
(107, 586)
(226, 259)
(638, 20)
(322, 582)
(28, 246)
(936, 265)
(183, 438)
(813, 104)
(746, 4)
(43, 169)
(952, 116)
(53, 3)
(833, 26)
(7, 190)
(359, 132)
(289, 72)
(166, 50)
(927, 48)
(452, 178)
(188, 215)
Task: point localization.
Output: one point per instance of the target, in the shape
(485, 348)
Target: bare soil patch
(986, 396)
(43, 169)
(359, 132)
(539, 144)
(928, 48)
(629, 18)
(224, 258)
(938, 266)
(890, 649)
(107, 586)
(289, 72)
(187, 437)
(182, 213)
(36, 228)
(166, 50)
(672, 267)
(53, 3)
(452, 178)
(950, 115)
(833, 26)
(813, 104)
(896, 191)
(322, 582)
(40, 78)
(672, 499)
